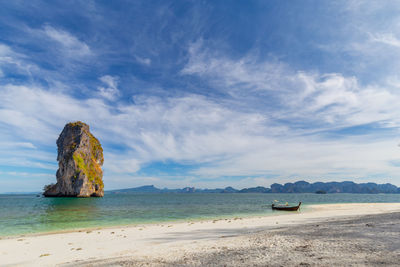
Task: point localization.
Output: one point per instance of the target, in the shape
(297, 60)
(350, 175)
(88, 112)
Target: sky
(203, 93)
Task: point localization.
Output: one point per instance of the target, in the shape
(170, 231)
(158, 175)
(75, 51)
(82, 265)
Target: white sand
(167, 240)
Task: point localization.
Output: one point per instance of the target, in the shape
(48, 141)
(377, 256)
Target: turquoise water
(22, 214)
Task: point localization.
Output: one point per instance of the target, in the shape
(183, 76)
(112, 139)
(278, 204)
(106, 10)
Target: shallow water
(22, 214)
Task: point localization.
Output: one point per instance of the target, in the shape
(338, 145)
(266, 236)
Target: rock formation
(80, 157)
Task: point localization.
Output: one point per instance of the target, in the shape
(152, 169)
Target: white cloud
(5, 52)
(307, 158)
(71, 44)
(195, 130)
(117, 165)
(244, 135)
(385, 38)
(111, 91)
(239, 137)
(25, 174)
(11, 61)
(155, 127)
(330, 100)
(11, 145)
(245, 73)
(38, 113)
(143, 61)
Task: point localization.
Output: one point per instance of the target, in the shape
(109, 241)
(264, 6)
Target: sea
(29, 214)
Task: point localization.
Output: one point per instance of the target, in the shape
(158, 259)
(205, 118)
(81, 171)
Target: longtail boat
(288, 208)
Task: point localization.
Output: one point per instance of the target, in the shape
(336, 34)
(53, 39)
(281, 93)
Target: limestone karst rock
(80, 157)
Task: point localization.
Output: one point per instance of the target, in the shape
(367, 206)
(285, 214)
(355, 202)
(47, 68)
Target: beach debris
(80, 157)
(305, 247)
(44, 255)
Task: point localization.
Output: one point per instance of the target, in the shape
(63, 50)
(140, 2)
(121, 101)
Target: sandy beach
(331, 234)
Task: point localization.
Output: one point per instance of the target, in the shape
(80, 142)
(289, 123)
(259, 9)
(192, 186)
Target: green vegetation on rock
(90, 169)
(76, 123)
(80, 162)
(95, 147)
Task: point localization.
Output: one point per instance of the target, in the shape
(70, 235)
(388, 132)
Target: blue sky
(203, 93)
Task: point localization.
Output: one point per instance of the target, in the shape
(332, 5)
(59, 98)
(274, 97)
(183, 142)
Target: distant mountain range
(297, 187)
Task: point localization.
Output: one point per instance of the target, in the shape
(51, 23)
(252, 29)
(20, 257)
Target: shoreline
(146, 241)
(129, 225)
(305, 208)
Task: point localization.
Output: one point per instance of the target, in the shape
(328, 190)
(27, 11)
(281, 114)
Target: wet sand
(335, 234)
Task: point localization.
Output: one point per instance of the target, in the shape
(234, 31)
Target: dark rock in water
(80, 157)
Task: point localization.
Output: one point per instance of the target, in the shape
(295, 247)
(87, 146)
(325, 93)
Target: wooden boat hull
(286, 208)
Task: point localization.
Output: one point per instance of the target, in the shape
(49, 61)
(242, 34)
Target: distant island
(297, 187)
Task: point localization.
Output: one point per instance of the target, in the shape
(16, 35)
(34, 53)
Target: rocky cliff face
(80, 157)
